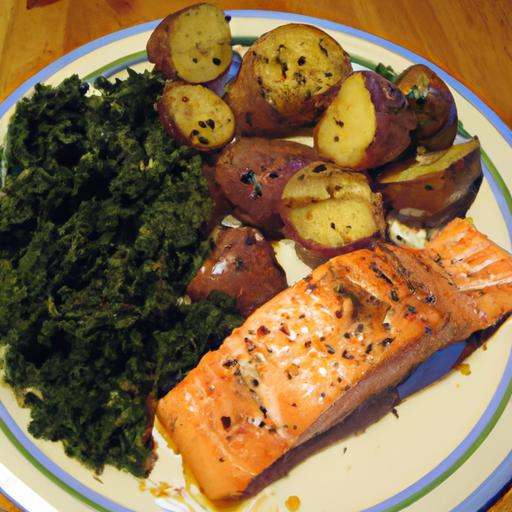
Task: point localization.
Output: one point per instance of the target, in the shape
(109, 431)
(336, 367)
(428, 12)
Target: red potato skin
(250, 270)
(157, 47)
(395, 121)
(266, 158)
(221, 205)
(437, 114)
(441, 196)
(255, 116)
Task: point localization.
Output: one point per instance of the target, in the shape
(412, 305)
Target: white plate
(450, 447)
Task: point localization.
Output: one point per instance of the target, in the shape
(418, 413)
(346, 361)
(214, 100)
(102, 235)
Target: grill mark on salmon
(316, 371)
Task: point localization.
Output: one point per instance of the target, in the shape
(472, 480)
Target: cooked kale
(102, 221)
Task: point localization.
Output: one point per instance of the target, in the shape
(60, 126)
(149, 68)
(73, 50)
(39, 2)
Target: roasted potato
(196, 116)
(252, 173)
(221, 205)
(428, 190)
(367, 125)
(329, 210)
(288, 77)
(193, 44)
(242, 265)
(433, 104)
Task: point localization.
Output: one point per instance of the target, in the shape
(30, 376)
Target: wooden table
(470, 39)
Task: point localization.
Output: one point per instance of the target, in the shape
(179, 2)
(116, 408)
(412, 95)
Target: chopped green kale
(102, 220)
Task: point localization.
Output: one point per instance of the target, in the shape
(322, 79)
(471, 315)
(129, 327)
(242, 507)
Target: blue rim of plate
(494, 482)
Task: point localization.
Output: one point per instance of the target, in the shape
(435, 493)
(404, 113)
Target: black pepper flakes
(307, 344)
(248, 118)
(216, 61)
(411, 309)
(430, 299)
(230, 363)
(203, 140)
(222, 459)
(250, 345)
(378, 272)
(394, 295)
(330, 349)
(387, 326)
(347, 355)
(320, 168)
(239, 264)
(369, 348)
(262, 330)
(322, 395)
(395, 412)
(360, 328)
(347, 335)
(428, 330)
(261, 424)
(202, 124)
(263, 409)
(301, 61)
(255, 382)
(226, 422)
(211, 123)
(387, 341)
(250, 240)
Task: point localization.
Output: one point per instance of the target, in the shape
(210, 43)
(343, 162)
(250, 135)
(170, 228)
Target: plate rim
(471, 97)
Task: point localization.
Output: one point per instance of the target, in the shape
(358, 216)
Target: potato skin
(256, 115)
(159, 52)
(433, 104)
(242, 265)
(395, 121)
(273, 163)
(435, 198)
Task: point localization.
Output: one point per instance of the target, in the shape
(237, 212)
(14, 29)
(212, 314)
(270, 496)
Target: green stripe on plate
(47, 473)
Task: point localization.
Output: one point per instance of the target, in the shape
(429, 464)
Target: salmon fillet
(308, 358)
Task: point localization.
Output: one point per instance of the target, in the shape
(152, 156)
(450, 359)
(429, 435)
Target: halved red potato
(329, 210)
(252, 173)
(433, 104)
(193, 44)
(367, 125)
(430, 189)
(196, 116)
(242, 265)
(287, 79)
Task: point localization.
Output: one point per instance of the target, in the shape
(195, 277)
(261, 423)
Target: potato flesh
(200, 44)
(200, 115)
(335, 222)
(349, 124)
(329, 206)
(297, 62)
(431, 163)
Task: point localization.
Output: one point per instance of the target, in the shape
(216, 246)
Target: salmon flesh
(304, 361)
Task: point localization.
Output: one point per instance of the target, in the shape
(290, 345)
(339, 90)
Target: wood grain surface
(470, 39)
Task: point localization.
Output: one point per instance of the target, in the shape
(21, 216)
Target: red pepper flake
(339, 313)
(284, 329)
(250, 345)
(226, 422)
(222, 459)
(347, 355)
(262, 330)
(307, 344)
(294, 404)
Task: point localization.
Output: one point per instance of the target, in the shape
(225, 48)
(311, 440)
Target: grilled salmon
(319, 350)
